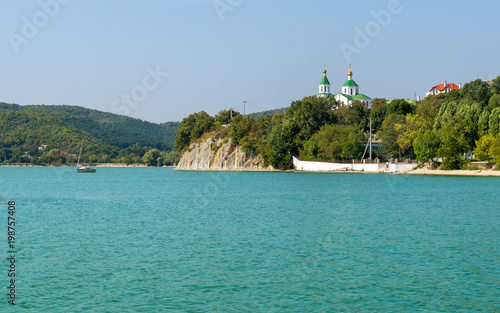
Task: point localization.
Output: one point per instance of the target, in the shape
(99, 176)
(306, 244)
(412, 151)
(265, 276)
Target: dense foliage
(446, 129)
(54, 134)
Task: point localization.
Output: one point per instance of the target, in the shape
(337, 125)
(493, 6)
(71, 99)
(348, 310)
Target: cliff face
(214, 154)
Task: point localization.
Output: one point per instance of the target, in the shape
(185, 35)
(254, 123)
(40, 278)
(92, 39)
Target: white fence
(309, 166)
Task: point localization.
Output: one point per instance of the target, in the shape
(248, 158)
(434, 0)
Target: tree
(281, 144)
(495, 151)
(412, 127)
(399, 107)
(305, 117)
(495, 86)
(290, 131)
(429, 108)
(93, 158)
(240, 127)
(468, 117)
(335, 142)
(446, 112)
(355, 114)
(224, 116)
(169, 158)
(483, 123)
(453, 143)
(151, 157)
(127, 160)
(484, 148)
(390, 133)
(137, 160)
(377, 113)
(192, 127)
(477, 91)
(426, 146)
(494, 102)
(494, 122)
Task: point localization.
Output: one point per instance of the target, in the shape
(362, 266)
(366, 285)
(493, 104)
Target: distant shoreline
(420, 171)
(97, 165)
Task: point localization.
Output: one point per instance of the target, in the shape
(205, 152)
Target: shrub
(485, 147)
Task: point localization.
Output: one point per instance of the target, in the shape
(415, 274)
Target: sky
(161, 60)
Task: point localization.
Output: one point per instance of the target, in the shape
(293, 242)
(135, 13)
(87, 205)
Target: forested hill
(52, 134)
(269, 112)
(107, 128)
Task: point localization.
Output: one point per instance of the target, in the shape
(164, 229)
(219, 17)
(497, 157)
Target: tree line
(445, 129)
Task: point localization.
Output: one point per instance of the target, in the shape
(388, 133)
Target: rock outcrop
(219, 154)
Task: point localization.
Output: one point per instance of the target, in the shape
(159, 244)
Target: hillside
(61, 129)
(19, 128)
(110, 129)
(256, 115)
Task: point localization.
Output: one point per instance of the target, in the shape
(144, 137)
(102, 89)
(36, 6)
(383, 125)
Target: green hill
(269, 112)
(108, 137)
(111, 129)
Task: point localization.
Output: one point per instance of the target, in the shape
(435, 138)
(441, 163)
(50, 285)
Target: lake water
(159, 240)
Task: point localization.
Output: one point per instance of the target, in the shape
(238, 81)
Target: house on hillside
(443, 88)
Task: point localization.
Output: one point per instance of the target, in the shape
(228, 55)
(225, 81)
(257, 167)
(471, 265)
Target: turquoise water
(158, 240)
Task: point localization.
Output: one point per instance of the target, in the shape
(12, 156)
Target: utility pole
(231, 112)
(244, 104)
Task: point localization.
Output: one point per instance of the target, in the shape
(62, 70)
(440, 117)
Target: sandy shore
(426, 171)
(119, 165)
(97, 165)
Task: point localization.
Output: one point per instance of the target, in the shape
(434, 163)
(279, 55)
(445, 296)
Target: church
(349, 92)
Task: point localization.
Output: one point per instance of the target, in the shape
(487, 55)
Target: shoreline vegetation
(451, 130)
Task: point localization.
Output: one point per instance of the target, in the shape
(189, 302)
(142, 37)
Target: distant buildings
(349, 91)
(443, 88)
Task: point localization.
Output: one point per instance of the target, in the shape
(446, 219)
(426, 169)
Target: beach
(426, 171)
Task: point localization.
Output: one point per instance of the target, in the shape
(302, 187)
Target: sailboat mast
(79, 155)
(370, 137)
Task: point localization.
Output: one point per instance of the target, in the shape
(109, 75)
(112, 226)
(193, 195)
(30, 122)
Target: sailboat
(83, 169)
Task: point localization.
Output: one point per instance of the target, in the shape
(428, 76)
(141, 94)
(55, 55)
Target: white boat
(84, 169)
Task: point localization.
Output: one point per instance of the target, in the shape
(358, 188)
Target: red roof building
(443, 88)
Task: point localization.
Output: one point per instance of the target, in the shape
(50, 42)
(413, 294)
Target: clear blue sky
(270, 53)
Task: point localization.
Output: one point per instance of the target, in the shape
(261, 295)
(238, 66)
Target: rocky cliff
(219, 154)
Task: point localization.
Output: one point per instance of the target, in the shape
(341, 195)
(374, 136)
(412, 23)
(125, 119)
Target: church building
(349, 92)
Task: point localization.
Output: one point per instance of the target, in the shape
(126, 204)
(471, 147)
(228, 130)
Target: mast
(370, 138)
(78, 162)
